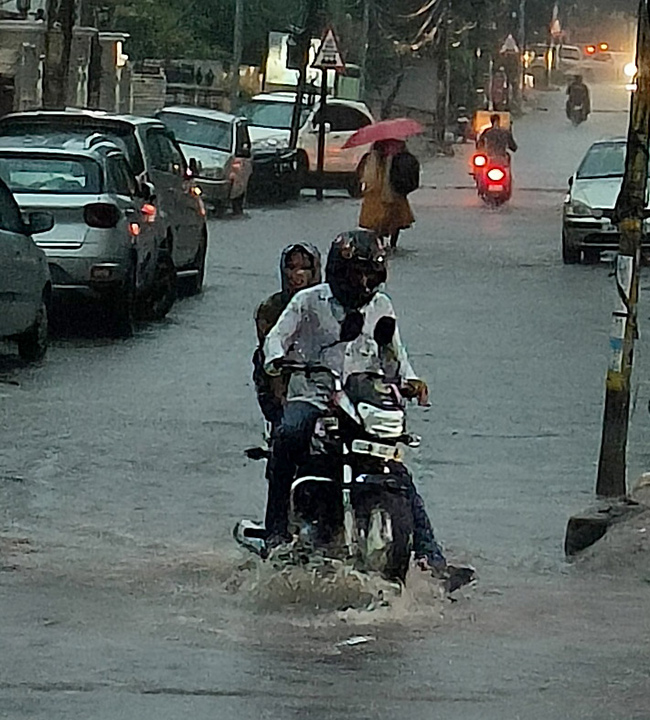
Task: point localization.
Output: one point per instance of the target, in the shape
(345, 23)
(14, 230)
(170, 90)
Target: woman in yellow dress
(384, 209)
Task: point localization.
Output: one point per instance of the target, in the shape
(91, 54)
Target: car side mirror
(384, 331)
(194, 166)
(351, 326)
(39, 222)
(571, 181)
(244, 152)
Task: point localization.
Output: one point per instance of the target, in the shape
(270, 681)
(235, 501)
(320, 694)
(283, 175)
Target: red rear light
(480, 160)
(590, 49)
(496, 174)
(149, 212)
(101, 215)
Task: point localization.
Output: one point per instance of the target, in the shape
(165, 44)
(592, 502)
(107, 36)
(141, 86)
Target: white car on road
(25, 286)
(587, 226)
(269, 123)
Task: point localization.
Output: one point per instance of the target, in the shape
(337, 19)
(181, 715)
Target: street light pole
(237, 52)
(629, 215)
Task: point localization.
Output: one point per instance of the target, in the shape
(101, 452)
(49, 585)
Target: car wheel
(32, 344)
(195, 282)
(160, 300)
(570, 254)
(354, 187)
(591, 256)
(238, 204)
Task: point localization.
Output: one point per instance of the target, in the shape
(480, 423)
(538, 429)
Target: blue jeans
(290, 448)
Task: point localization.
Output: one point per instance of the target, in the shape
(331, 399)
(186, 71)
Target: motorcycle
(493, 177)
(351, 497)
(576, 113)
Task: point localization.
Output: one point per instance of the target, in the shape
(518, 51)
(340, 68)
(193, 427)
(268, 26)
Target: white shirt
(308, 332)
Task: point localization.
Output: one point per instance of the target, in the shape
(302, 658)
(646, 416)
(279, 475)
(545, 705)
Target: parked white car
(587, 227)
(269, 121)
(25, 287)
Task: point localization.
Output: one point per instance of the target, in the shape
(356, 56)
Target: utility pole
(444, 70)
(237, 51)
(60, 19)
(363, 53)
(628, 215)
(310, 26)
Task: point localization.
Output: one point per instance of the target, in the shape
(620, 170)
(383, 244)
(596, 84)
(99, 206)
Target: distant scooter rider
(578, 97)
(496, 141)
(300, 268)
(308, 332)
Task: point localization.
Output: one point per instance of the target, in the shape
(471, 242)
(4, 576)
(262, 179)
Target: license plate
(495, 188)
(386, 452)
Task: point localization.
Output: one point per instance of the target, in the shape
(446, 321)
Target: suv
(106, 241)
(155, 157)
(221, 146)
(24, 280)
(269, 121)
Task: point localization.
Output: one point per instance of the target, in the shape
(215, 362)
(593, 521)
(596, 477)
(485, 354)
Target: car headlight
(213, 173)
(630, 70)
(576, 207)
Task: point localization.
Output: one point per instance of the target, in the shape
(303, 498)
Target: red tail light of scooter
(479, 161)
(496, 175)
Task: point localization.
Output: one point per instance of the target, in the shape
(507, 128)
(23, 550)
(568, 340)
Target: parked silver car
(25, 287)
(105, 243)
(220, 148)
(587, 227)
(156, 158)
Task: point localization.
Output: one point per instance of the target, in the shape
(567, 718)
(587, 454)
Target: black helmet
(356, 267)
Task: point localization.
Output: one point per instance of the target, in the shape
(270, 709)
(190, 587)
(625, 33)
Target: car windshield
(603, 160)
(199, 131)
(50, 174)
(57, 130)
(261, 113)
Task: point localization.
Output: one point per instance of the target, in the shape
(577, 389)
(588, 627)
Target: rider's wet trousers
(290, 448)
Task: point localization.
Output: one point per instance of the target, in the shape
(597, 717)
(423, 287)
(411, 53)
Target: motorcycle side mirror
(384, 331)
(351, 326)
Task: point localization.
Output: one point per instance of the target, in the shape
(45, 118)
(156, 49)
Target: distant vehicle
(269, 119)
(25, 287)
(221, 145)
(105, 243)
(587, 228)
(156, 158)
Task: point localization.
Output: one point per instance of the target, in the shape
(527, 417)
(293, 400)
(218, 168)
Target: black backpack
(405, 173)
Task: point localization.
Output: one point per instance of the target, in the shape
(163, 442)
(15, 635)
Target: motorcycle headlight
(576, 207)
(272, 144)
(380, 422)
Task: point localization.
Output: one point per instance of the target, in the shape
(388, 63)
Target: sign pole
(320, 183)
(328, 58)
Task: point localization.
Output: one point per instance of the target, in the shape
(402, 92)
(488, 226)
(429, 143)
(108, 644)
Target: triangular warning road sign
(329, 56)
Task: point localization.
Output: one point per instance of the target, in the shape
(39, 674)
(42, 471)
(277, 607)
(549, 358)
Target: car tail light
(480, 160)
(149, 212)
(101, 215)
(496, 174)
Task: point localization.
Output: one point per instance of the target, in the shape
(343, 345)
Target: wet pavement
(122, 474)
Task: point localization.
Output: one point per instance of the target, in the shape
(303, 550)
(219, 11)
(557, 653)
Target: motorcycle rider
(309, 332)
(496, 141)
(300, 268)
(578, 97)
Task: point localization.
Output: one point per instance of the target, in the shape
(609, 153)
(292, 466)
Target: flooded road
(122, 473)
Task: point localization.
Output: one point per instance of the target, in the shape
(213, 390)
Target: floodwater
(122, 474)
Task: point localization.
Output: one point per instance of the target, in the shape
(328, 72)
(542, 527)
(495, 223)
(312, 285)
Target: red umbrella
(398, 129)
